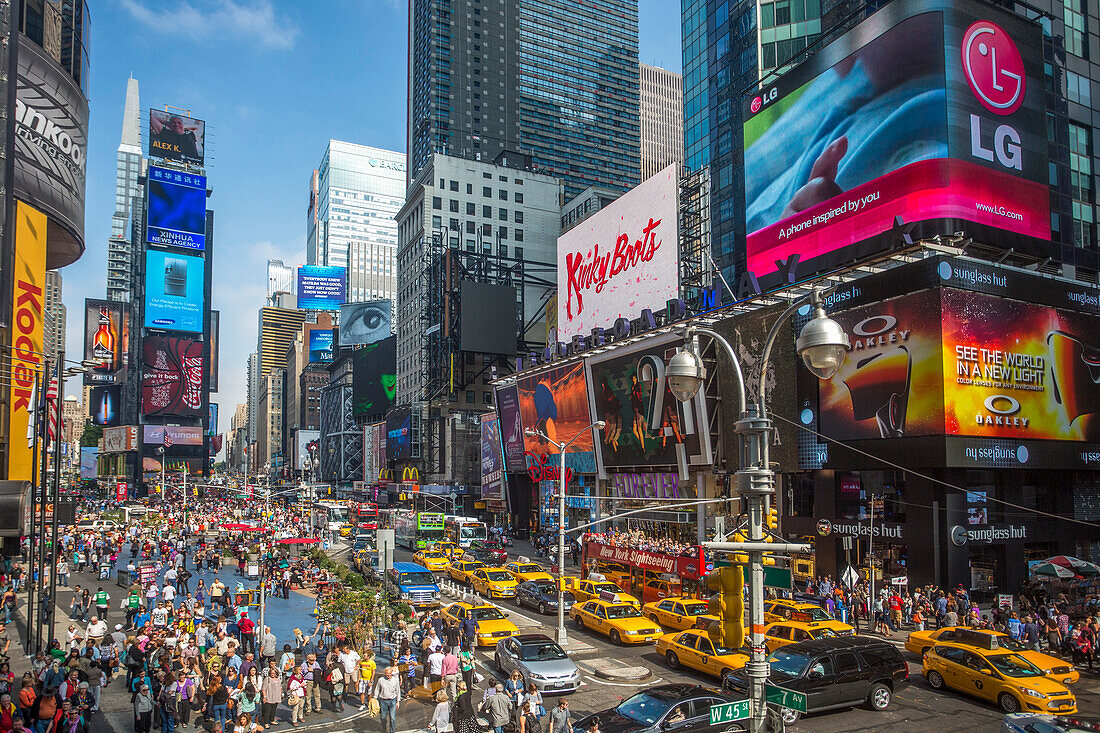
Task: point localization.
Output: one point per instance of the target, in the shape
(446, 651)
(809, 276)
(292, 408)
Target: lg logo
(995, 72)
(759, 101)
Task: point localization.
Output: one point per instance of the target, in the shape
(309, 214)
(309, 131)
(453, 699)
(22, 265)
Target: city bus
(464, 530)
(416, 530)
(329, 516)
(364, 515)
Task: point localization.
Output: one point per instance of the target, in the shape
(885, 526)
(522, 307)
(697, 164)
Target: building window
(1075, 27)
(487, 230)
(490, 177)
(470, 192)
(437, 202)
(470, 227)
(454, 187)
(504, 253)
(502, 195)
(519, 251)
(502, 232)
(1077, 89)
(487, 192)
(470, 400)
(471, 208)
(487, 212)
(1080, 167)
(487, 399)
(519, 200)
(454, 206)
(519, 236)
(519, 217)
(454, 225)
(437, 222)
(503, 214)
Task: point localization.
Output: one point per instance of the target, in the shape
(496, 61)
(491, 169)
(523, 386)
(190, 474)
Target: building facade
(280, 279)
(548, 78)
(53, 322)
(278, 328)
(354, 194)
(269, 412)
(304, 380)
(661, 119)
(128, 164)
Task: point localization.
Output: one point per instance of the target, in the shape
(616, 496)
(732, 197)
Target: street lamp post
(823, 345)
(531, 432)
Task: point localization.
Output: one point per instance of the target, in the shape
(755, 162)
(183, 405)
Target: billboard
(906, 118)
(374, 378)
(176, 213)
(180, 434)
(28, 284)
(106, 340)
(951, 362)
(622, 259)
(51, 146)
(320, 345)
(171, 377)
(176, 137)
(374, 455)
(212, 419)
(365, 323)
(489, 325)
(556, 403)
(321, 288)
(301, 448)
(105, 404)
(120, 440)
(89, 458)
(511, 429)
(399, 437)
(214, 340)
(174, 287)
(492, 459)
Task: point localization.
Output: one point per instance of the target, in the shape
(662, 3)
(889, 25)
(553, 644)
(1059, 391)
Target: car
(833, 673)
(679, 613)
(782, 633)
(492, 624)
(98, 525)
(657, 589)
(412, 583)
(695, 649)
(543, 595)
(1057, 669)
(585, 590)
(782, 609)
(1042, 723)
(621, 622)
(524, 570)
(345, 530)
(434, 561)
(463, 570)
(540, 662)
(450, 549)
(489, 552)
(1002, 677)
(493, 583)
(676, 707)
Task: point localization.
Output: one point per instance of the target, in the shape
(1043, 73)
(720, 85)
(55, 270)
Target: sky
(274, 80)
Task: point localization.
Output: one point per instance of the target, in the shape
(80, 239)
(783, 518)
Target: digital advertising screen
(171, 377)
(321, 288)
(399, 434)
(374, 378)
(215, 342)
(320, 345)
(212, 419)
(489, 325)
(928, 111)
(176, 214)
(555, 402)
(180, 434)
(89, 458)
(176, 137)
(511, 428)
(622, 259)
(365, 323)
(492, 460)
(174, 285)
(106, 340)
(105, 403)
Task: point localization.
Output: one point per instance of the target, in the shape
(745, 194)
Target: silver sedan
(540, 661)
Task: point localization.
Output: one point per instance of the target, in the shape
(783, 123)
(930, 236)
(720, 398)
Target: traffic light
(740, 557)
(728, 604)
(772, 519)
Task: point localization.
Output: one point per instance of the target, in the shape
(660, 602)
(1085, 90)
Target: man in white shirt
(349, 659)
(159, 616)
(435, 667)
(169, 592)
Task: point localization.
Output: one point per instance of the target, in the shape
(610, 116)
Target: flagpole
(32, 430)
(59, 431)
(42, 427)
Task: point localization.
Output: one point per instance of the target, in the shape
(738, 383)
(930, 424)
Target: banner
(492, 458)
(171, 377)
(26, 334)
(511, 429)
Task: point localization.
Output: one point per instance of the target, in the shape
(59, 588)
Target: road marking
(647, 683)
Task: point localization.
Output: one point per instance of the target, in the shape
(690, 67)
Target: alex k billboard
(928, 111)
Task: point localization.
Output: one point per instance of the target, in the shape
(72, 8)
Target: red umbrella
(235, 527)
(298, 541)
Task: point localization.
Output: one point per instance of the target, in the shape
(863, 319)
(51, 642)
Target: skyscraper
(280, 279)
(552, 79)
(354, 194)
(53, 329)
(661, 118)
(127, 170)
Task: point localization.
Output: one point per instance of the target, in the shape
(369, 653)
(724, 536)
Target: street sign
(773, 577)
(730, 711)
(785, 698)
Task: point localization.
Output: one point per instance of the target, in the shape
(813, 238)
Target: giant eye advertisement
(173, 291)
(911, 116)
(365, 323)
(177, 209)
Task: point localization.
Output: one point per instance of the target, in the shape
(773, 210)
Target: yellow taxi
(782, 633)
(657, 589)
(432, 560)
(621, 622)
(450, 549)
(345, 530)
(679, 613)
(786, 610)
(523, 570)
(1056, 669)
(615, 572)
(1002, 677)
(463, 570)
(492, 625)
(586, 590)
(493, 583)
(695, 649)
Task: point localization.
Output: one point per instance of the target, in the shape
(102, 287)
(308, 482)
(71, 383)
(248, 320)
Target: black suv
(836, 672)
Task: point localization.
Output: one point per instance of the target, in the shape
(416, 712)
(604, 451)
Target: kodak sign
(26, 333)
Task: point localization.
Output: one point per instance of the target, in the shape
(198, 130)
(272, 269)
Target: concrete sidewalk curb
(612, 670)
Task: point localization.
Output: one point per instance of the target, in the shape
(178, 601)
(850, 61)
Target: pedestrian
(271, 693)
(102, 604)
(441, 716)
(499, 709)
(387, 691)
(296, 697)
(449, 669)
(528, 721)
(535, 698)
(559, 718)
(313, 676)
(466, 665)
(463, 714)
(143, 709)
(169, 704)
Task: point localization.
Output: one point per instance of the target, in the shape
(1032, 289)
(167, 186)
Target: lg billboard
(928, 111)
(622, 259)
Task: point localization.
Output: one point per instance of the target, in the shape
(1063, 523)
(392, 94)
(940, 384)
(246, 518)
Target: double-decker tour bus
(647, 574)
(364, 516)
(464, 530)
(416, 530)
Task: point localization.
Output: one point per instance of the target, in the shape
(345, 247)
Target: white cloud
(206, 20)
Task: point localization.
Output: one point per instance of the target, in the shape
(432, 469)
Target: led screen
(511, 428)
(105, 405)
(321, 288)
(365, 323)
(106, 340)
(176, 137)
(173, 291)
(374, 378)
(171, 377)
(901, 120)
(320, 345)
(176, 215)
(489, 321)
(399, 434)
(555, 404)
